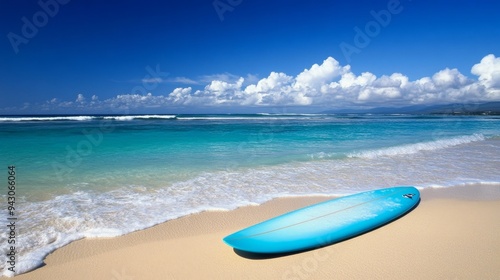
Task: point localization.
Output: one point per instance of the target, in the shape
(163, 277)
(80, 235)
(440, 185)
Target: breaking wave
(417, 147)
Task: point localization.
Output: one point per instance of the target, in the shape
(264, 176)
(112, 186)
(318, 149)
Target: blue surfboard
(326, 222)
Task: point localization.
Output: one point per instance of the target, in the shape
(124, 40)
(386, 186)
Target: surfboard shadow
(264, 256)
(260, 256)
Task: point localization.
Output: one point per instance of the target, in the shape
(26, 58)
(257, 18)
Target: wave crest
(139, 117)
(34, 119)
(418, 147)
(83, 118)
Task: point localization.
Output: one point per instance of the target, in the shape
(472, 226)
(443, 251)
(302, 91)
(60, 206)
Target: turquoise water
(94, 176)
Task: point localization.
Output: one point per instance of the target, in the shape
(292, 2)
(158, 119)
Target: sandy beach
(452, 234)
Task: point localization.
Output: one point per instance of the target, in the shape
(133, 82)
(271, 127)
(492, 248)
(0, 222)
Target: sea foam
(83, 118)
(33, 119)
(417, 147)
(139, 117)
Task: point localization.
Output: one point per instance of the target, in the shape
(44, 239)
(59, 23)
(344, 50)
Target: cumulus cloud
(488, 71)
(206, 79)
(318, 75)
(268, 90)
(449, 78)
(180, 96)
(327, 84)
(80, 98)
(331, 84)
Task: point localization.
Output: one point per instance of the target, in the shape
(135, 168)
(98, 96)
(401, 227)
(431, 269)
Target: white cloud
(251, 79)
(396, 80)
(268, 90)
(180, 96)
(183, 80)
(80, 98)
(207, 79)
(318, 75)
(224, 77)
(219, 87)
(132, 101)
(488, 71)
(449, 79)
(329, 84)
(155, 80)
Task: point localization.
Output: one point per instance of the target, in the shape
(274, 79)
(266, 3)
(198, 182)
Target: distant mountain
(489, 108)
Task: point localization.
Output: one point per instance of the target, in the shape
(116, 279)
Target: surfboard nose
(410, 192)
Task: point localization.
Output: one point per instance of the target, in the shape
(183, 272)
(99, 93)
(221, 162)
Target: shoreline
(453, 233)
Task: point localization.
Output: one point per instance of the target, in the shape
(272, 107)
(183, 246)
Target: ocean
(105, 176)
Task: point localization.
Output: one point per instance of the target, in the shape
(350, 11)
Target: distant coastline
(455, 109)
(476, 109)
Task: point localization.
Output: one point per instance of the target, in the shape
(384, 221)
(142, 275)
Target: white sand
(443, 238)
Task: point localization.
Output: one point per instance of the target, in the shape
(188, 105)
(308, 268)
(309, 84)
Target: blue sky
(79, 56)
